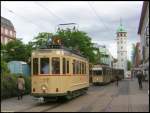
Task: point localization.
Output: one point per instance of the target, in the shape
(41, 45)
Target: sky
(98, 19)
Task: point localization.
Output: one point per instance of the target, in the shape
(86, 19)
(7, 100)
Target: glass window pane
(44, 65)
(35, 66)
(85, 68)
(55, 65)
(64, 66)
(74, 66)
(82, 68)
(68, 66)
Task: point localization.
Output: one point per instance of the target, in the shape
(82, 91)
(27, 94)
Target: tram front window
(97, 72)
(44, 65)
(55, 65)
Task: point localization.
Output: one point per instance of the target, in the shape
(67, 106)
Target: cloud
(32, 17)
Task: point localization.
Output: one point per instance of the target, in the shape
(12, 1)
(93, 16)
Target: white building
(122, 48)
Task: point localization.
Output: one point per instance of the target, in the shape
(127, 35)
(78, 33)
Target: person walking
(117, 80)
(140, 76)
(20, 86)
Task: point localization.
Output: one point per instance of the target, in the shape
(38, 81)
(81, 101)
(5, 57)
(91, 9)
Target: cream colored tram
(101, 74)
(58, 72)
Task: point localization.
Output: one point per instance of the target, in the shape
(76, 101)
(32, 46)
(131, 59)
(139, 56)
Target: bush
(9, 85)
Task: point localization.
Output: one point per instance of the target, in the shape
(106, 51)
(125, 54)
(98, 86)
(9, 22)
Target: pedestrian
(117, 80)
(140, 76)
(20, 86)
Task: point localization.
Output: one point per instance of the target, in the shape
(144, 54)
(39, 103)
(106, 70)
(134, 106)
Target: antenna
(120, 21)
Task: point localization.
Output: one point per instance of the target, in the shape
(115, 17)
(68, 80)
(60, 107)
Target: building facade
(143, 31)
(8, 32)
(105, 56)
(122, 48)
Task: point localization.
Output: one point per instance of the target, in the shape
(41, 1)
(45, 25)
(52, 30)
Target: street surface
(109, 98)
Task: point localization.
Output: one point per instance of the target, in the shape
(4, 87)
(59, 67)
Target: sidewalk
(138, 99)
(130, 98)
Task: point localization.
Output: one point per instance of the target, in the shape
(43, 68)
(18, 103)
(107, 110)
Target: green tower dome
(121, 28)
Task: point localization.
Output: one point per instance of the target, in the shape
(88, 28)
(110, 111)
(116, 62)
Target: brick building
(8, 32)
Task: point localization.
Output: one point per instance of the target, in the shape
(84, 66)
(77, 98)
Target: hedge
(9, 85)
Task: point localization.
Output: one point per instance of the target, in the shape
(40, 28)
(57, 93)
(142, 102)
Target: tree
(129, 64)
(80, 41)
(41, 39)
(15, 50)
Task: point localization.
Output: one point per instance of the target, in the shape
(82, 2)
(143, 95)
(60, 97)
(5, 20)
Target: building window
(6, 31)
(11, 33)
(121, 47)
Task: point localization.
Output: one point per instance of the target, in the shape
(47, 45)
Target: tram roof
(61, 49)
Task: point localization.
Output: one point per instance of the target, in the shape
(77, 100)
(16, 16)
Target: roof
(7, 23)
(22, 62)
(143, 13)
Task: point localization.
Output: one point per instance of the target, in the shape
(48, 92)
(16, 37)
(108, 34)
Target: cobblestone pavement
(127, 97)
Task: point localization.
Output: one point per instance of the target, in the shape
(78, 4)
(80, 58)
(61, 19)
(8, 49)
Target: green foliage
(80, 41)
(129, 65)
(16, 50)
(9, 85)
(4, 68)
(41, 39)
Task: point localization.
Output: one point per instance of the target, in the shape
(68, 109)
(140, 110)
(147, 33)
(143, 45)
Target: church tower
(122, 48)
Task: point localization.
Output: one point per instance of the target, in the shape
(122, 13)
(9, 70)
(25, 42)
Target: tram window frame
(52, 64)
(41, 66)
(33, 67)
(64, 65)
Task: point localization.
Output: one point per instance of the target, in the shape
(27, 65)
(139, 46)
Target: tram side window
(74, 66)
(44, 65)
(35, 66)
(77, 67)
(85, 68)
(67, 66)
(82, 68)
(64, 66)
(55, 65)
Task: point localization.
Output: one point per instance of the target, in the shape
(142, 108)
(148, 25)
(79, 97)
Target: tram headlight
(44, 87)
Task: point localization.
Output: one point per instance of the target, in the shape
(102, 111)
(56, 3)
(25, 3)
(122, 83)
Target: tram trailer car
(101, 75)
(58, 73)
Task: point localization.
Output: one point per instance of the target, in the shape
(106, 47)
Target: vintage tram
(58, 72)
(103, 74)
